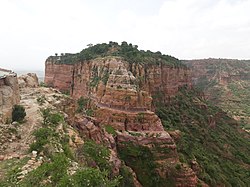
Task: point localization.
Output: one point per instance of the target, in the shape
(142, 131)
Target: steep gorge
(123, 95)
(119, 88)
(226, 83)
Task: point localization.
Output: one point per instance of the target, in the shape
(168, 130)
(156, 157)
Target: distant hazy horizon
(40, 74)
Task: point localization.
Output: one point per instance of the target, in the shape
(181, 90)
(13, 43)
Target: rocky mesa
(121, 94)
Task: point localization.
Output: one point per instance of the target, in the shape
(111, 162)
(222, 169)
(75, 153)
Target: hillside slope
(210, 141)
(226, 83)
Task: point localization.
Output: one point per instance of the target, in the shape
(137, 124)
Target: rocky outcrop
(9, 95)
(105, 77)
(58, 75)
(28, 80)
(185, 177)
(160, 150)
(123, 95)
(129, 120)
(158, 142)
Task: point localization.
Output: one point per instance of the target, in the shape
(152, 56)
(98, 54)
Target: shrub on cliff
(50, 117)
(82, 104)
(90, 177)
(128, 52)
(18, 113)
(42, 136)
(97, 153)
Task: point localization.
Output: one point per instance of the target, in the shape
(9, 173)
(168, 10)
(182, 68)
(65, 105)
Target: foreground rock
(9, 94)
(28, 80)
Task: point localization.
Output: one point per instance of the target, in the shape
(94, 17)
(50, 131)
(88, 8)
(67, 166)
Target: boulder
(9, 96)
(28, 80)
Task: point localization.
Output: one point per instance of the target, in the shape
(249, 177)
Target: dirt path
(18, 147)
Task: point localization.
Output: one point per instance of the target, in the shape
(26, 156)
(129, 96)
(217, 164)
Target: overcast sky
(32, 30)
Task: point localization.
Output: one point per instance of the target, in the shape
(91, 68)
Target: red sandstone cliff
(89, 77)
(58, 75)
(122, 95)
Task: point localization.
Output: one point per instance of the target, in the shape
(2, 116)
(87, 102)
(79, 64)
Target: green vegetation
(41, 100)
(42, 84)
(140, 117)
(95, 78)
(89, 177)
(42, 136)
(66, 92)
(18, 113)
(140, 159)
(127, 177)
(105, 77)
(94, 170)
(109, 129)
(82, 104)
(54, 173)
(239, 102)
(10, 168)
(226, 83)
(97, 153)
(56, 169)
(128, 52)
(46, 137)
(90, 112)
(210, 137)
(50, 117)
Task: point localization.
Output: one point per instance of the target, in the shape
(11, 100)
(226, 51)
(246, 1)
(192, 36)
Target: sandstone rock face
(9, 96)
(91, 130)
(58, 75)
(106, 78)
(151, 140)
(162, 79)
(122, 93)
(121, 96)
(125, 85)
(129, 120)
(186, 177)
(29, 80)
(165, 156)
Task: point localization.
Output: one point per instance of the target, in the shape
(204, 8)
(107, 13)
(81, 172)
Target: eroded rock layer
(110, 79)
(123, 95)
